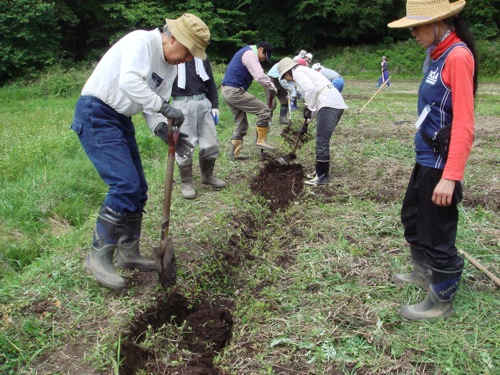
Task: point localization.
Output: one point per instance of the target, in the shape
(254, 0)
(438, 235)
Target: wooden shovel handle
(480, 267)
(299, 137)
(173, 135)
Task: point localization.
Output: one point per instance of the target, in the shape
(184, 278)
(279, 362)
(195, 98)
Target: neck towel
(181, 72)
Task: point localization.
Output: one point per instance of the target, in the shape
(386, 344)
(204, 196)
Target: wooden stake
(376, 92)
(480, 267)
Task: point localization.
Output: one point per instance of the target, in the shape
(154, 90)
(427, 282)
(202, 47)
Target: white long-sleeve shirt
(318, 91)
(133, 76)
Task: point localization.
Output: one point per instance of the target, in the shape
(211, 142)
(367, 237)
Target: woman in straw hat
(135, 75)
(445, 100)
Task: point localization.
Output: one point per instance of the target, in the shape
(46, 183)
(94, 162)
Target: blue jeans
(338, 83)
(386, 78)
(326, 120)
(108, 139)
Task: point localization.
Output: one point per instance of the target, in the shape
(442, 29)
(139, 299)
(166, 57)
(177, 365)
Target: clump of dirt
(279, 184)
(210, 330)
(290, 135)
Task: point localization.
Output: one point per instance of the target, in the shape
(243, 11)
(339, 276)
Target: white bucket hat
(285, 65)
(309, 54)
(423, 12)
(317, 66)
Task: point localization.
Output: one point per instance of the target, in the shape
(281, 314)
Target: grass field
(307, 288)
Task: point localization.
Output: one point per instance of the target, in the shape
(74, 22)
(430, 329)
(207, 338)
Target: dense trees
(36, 33)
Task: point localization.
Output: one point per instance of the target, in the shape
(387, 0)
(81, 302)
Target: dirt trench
(206, 327)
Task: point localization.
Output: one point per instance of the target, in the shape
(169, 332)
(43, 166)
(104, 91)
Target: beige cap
(191, 32)
(285, 65)
(423, 12)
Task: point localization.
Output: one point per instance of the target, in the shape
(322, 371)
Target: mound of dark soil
(209, 331)
(279, 184)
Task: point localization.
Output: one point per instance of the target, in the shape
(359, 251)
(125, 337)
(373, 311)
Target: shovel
(164, 255)
(289, 157)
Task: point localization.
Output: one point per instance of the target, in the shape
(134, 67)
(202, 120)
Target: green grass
(314, 297)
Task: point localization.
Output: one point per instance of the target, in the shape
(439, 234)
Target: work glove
(273, 91)
(307, 114)
(172, 113)
(215, 115)
(183, 147)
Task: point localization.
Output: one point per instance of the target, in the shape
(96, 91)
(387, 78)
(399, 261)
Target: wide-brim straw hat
(191, 32)
(423, 12)
(285, 65)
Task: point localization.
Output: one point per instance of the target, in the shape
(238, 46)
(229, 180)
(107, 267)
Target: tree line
(35, 34)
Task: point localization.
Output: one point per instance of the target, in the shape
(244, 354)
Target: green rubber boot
(439, 300)
(421, 273)
(127, 252)
(99, 262)
(186, 172)
(207, 173)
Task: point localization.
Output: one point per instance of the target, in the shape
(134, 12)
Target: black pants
(428, 225)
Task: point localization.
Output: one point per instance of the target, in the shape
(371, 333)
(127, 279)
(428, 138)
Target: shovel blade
(287, 158)
(166, 264)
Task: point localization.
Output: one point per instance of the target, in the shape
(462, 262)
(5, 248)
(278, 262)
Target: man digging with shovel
(135, 75)
(243, 68)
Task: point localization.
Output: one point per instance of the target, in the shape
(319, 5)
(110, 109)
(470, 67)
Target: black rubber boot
(439, 300)
(186, 172)
(284, 116)
(99, 262)
(321, 177)
(421, 273)
(207, 173)
(127, 251)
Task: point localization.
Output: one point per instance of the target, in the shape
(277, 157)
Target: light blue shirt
(274, 73)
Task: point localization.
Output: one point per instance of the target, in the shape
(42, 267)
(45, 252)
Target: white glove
(215, 115)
